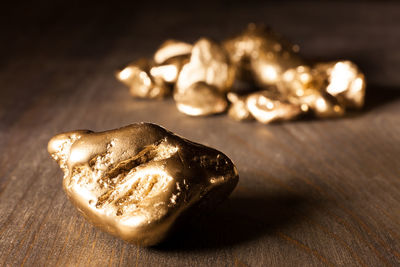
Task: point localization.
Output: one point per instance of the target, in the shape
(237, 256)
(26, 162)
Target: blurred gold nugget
(322, 104)
(326, 88)
(238, 109)
(169, 70)
(304, 87)
(208, 63)
(267, 106)
(263, 53)
(203, 77)
(136, 182)
(140, 82)
(264, 106)
(200, 99)
(170, 49)
(345, 82)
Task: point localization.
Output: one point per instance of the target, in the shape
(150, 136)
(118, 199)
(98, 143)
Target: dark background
(311, 192)
(364, 31)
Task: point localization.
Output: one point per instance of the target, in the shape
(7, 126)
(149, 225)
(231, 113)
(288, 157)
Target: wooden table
(311, 192)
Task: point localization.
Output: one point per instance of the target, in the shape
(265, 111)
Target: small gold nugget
(200, 99)
(325, 88)
(141, 84)
(262, 53)
(137, 181)
(265, 106)
(170, 49)
(322, 104)
(169, 70)
(238, 109)
(345, 82)
(306, 87)
(208, 63)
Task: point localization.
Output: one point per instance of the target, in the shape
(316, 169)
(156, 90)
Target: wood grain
(311, 192)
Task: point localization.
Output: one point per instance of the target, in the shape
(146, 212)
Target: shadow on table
(242, 219)
(377, 96)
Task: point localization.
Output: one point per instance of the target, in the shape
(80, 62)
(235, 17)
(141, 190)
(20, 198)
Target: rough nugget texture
(136, 181)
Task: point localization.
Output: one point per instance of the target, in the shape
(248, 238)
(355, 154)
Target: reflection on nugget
(137, 181)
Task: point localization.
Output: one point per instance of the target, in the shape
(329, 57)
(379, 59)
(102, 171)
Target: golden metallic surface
(267, 106)
(170, 49)
(326, 88)
(297, 80)
(169, 70)
(345, 81)
(206, 75)
(200, 99)
(322, 104)
(137, 181)
(341, 79)
(238, 109)
(142, 85)
(208, 63)
(269, 66)
(263, 53)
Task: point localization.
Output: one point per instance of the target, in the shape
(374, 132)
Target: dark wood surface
(311, 192)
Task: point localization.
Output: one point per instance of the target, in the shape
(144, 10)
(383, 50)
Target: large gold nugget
(135, 182)
(208, 63)
(141, 84)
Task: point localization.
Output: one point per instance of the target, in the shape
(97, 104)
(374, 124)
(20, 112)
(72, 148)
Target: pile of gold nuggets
(254, 75)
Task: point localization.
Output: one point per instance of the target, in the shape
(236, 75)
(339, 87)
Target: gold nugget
(200, 99)
(263, 53)
(326, 88)
(170, 49)
(306, 87)
(265, 106)
(322, 104)
(169, 70)
(295, 81)
(238, 109)
(136, 182)
(141, 84)
(208, 63)
(344, 81)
